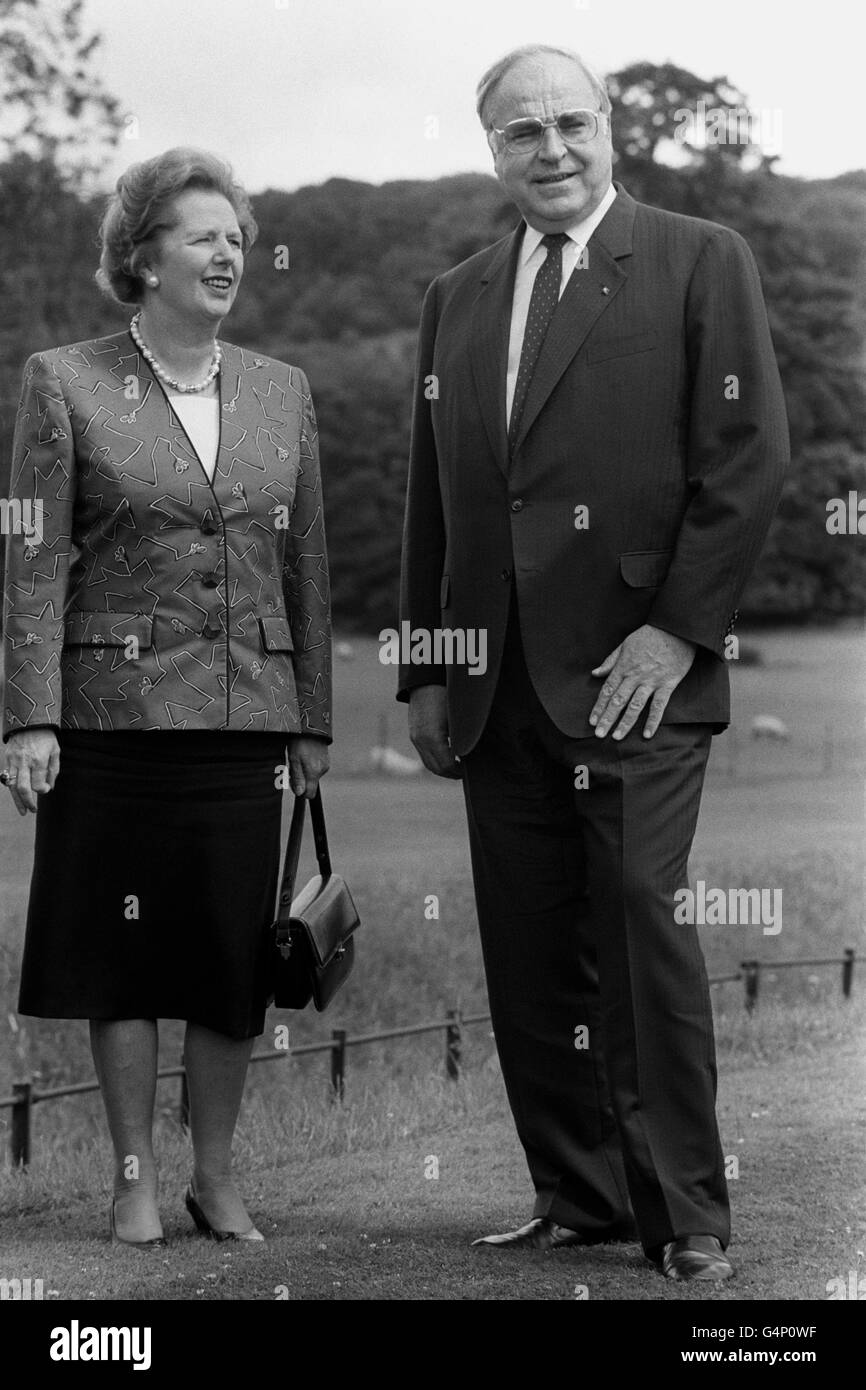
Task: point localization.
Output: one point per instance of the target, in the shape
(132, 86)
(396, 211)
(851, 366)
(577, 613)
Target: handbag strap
(293, 850)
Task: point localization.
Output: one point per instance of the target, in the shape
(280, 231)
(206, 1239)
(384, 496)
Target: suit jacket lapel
(234, 422)
(488, 347)
(147, 442)
(590, 290)
(232, 427)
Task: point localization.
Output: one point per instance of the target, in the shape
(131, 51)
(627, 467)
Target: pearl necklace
(161, 372)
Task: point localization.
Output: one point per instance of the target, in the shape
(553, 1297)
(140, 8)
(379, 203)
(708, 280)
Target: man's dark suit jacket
(655, 404)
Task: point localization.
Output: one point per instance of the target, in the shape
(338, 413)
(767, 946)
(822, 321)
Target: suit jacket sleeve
(306, 585)
(424, 539)
(737, 445)
(37, 568)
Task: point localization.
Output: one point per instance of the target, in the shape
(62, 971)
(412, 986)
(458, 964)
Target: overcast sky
(297, 91)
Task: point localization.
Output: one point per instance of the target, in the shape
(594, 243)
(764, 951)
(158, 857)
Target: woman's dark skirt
(155, 878)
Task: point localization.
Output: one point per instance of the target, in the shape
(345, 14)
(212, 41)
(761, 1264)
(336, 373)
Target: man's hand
(32, 765)
(648, 665)
(428, 730)
(308, 761)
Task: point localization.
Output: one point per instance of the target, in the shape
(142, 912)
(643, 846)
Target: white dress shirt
(200, 417)
(529, 261)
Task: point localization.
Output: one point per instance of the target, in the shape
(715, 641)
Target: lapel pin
(605, 290)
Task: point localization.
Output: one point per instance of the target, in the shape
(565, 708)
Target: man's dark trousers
(575, 896)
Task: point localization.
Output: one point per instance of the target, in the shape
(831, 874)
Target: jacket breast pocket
(643, 569)
(623, 346)
(276, 634)
(98, 629)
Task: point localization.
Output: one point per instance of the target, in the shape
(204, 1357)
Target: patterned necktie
(545, 297)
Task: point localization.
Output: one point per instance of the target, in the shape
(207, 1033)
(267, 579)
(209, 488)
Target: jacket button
(208, 527)
(210, 632)
(517, 504)
(210, 581)
(506, 574)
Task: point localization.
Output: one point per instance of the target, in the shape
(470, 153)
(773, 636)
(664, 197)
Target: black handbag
(312, 947)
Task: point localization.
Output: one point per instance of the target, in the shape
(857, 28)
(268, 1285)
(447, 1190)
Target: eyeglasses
(524, 136)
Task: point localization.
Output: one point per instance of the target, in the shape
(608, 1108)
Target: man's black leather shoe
(543, 1234)
(694, 1257)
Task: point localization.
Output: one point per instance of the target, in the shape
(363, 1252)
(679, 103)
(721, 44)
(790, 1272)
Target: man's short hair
(494, 75)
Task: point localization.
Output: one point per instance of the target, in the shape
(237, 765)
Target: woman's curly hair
(141, 207)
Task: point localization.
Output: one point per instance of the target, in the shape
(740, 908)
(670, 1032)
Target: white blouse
(200, 417)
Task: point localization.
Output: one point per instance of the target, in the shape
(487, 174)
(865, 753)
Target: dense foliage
(346, 305)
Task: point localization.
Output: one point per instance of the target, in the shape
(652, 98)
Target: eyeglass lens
(575, 128)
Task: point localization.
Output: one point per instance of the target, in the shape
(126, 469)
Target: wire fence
(25, 1096)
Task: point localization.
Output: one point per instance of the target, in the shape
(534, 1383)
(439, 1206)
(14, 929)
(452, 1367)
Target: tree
(808, 241)
(55, 107)
(336, 282)
(664, 114)
(57, 125)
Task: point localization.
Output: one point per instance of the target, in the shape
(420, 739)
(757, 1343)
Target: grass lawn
(341, 1191)
(347, 1198)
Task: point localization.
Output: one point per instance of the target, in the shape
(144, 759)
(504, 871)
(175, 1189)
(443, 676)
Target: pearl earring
(152, 281)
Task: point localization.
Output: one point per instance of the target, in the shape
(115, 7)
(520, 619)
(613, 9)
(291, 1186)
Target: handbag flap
(327, 913)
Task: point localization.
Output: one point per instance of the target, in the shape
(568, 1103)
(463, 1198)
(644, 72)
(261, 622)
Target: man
(598, 446)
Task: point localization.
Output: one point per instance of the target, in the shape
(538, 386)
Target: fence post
(751, 972)
(23, 1093)
(847, 971)
(184, 1097)
(452, 1045)
(338, 1062)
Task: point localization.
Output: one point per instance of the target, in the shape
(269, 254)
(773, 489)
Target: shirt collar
(579, 232)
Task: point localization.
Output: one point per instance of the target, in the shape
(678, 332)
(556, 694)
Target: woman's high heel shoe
(155, 1244)
(207, 1229)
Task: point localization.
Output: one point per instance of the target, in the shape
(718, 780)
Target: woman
(167, 635)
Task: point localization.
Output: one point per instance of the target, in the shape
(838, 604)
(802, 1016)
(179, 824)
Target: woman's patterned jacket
(145, 596)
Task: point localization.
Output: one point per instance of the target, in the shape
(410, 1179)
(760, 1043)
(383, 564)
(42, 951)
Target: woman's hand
(32, 765)
(308, 761)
